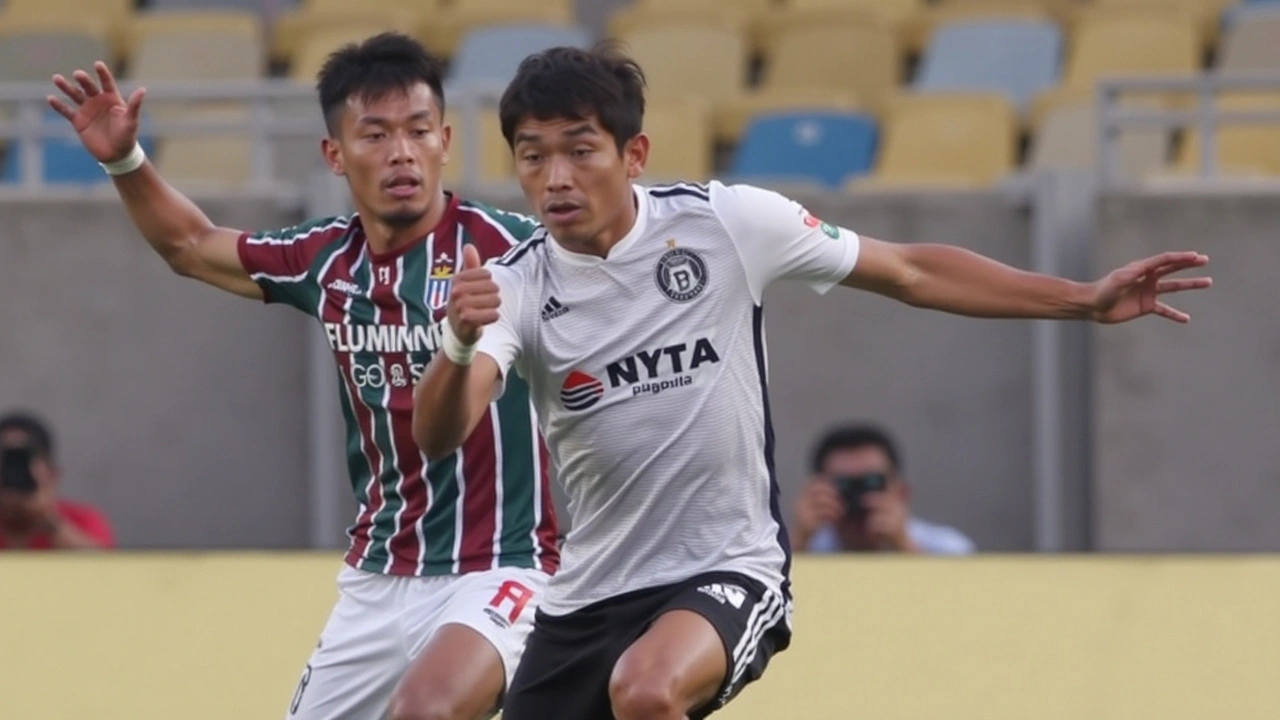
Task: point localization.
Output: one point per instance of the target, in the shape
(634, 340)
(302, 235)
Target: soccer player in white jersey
(637, 320)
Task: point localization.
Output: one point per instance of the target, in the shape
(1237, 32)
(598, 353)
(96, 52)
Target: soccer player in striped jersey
(637, 319)
(448, 555)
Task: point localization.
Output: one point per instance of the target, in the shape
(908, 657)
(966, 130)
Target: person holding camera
(32, 516)
(858, 501)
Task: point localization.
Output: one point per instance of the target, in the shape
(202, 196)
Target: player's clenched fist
(473, 301)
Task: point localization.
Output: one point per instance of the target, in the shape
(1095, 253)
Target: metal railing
(271, 116)
(1205, 117)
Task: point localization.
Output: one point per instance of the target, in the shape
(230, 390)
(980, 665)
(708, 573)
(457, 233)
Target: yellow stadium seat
(1206, 14)
(442, 31)
(967, 140)
(849, 57)
(1129, 43)
(691, 61)
(898, 16)
(669, 13)
(214, 160)
(681, 145)
(495, 161)
(317, 44)
(290, 28)
(113, 13)
(1068, 140)
(190, 45)
(94, 25)
(1251, 150)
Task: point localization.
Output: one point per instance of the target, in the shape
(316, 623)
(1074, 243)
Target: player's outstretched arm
(184, 236)
(952, 279)
(460, 382)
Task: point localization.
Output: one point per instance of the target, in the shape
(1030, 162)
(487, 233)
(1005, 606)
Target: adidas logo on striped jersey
(553, 309)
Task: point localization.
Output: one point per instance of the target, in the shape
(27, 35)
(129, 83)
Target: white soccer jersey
(648, 372)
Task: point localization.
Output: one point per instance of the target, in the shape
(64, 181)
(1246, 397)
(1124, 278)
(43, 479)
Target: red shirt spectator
(89, 521)
(32, 516)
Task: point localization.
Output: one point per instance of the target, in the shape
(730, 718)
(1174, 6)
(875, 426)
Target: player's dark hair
(383, 64)
(39, 439)
(854, 437)
(576, 84)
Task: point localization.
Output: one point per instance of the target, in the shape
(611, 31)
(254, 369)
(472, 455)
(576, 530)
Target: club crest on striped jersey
(580, 391)
(681, 274)
(439, 282)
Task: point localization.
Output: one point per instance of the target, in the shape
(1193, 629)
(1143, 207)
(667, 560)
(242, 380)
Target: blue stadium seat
(1242, 11)
(826, 148)
(64, 160)
(1019, 58)
(492, 54)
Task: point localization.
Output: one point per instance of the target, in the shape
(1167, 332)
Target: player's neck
(383, 238)
(603, 242)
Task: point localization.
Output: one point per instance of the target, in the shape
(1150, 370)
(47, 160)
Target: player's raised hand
(473, 300)
(106, 123)
(1134, 290)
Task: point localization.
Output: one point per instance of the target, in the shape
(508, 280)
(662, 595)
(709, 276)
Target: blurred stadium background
(1061, 135)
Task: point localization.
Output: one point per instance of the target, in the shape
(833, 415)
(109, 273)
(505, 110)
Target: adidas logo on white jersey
(553, 309)
(731, 594)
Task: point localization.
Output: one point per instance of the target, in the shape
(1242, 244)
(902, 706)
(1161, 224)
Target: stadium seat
(221, 160)
(1253, 44)
(443, 30)
(684, 61)
(731, 120)
(35, 56)
(492, 54)
(114, 13)
(495, 161)
(1068, 140)
(1249, 150)
(919, 33)
(319, 42)
(1127, 43)
(258, 6)
(739, 13)
(963, 140)
(682, 146)
(290, 29)
(196, 45)
(63, 161)
(846, 57)
(1018, 58)
(1205, 14)
(826, 149)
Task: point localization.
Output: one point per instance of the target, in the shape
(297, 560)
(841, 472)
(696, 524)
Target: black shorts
(568, 660)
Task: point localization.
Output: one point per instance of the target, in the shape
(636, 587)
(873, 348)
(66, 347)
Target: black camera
(15, 470)
(852, 488)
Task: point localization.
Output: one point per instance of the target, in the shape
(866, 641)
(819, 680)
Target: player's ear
(446, 140)
(636, 154)
(333, 156)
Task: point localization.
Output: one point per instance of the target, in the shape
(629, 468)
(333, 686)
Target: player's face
(577, 181)
(391, 150)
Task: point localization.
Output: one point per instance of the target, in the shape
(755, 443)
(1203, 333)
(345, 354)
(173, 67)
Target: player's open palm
(473, 300)
(106, 123)
(1135, 289)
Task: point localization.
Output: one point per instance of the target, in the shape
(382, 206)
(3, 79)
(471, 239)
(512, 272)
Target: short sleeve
(501, 340)
(778, 239)
(281, 261)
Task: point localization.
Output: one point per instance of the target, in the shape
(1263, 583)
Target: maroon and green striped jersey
(489, 504)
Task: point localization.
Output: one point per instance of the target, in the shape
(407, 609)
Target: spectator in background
(858, 501)
(32, 516)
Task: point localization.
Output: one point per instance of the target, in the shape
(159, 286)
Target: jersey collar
(637, 229)
(446, 221)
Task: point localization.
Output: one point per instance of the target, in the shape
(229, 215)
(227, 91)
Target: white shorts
(381, 623)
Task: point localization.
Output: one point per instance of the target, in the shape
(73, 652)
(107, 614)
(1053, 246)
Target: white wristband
(128, 163)
(454, 349)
